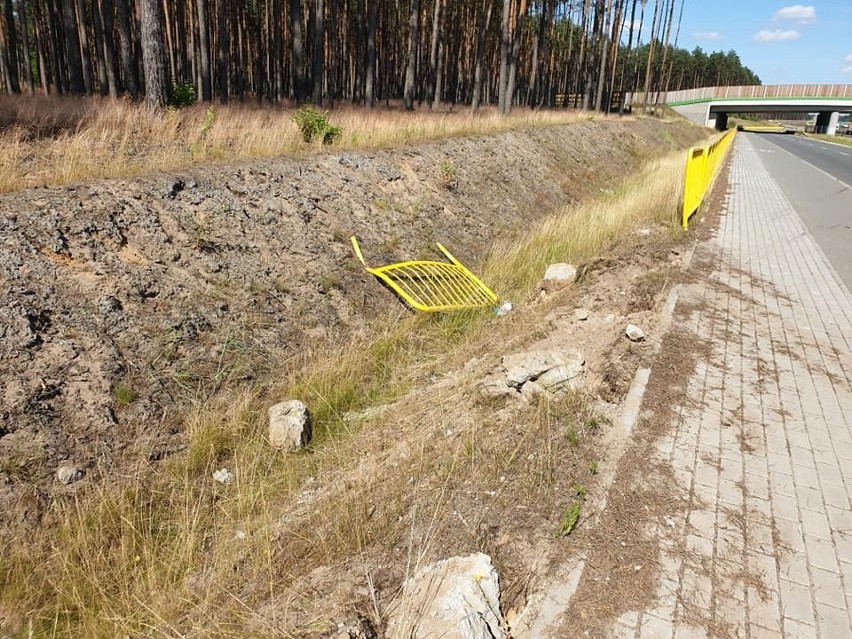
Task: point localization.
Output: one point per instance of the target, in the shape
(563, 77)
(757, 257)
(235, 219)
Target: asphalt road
(817, 179)
(834, 159)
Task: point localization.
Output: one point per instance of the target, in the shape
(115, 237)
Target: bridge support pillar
(826, 122)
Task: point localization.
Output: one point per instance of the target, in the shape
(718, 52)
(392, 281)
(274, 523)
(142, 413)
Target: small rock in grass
(289, 425)
(560, 274)
(581, 314)
(223, 476)
(504, 308)
(68, 474)
(634, 333)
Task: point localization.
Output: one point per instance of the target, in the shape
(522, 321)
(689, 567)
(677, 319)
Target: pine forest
(578, 53)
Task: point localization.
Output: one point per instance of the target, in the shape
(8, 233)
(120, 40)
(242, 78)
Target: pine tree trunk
(5, 82)
(100, 62)
(107, 17)
(72, 49)
(40, 49)
(603, 50)
(153, 54)
(82, 22)
(629, 57)
(25, 43)
(370, 81)
(319, 50)
(12, 81)
(278, 50)
(413, 42)
(515, 52)
(439, 74)
(204, 50)
(666, 25)
(503, 100)
(224, 58)
(53, 22)
(126, 49)
(433, 50)
(484, 23)
(651, 51)
(298, 62)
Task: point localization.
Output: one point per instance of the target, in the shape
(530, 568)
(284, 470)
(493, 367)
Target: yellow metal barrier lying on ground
(702, 164)
(433, 286)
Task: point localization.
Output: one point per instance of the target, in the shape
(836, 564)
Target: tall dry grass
(581, 232)
(169, 552)
(53, 141)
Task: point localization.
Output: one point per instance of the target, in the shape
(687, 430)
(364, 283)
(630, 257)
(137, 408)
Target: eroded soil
(124, 300)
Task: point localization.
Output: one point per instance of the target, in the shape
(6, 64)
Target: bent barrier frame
(432, 286)
(702, 165)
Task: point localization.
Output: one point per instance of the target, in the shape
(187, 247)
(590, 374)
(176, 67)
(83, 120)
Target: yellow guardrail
(702, 164)
(432, 286)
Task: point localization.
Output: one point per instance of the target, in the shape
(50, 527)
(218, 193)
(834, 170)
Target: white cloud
(798, 13)
(708, 35)
(847, 70)
(848, 58)
(775, 36)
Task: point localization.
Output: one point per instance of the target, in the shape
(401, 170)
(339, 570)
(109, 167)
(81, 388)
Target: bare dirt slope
(124, 300)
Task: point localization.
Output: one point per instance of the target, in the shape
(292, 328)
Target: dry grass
(168, 552)
(581, 232)
(53, 141)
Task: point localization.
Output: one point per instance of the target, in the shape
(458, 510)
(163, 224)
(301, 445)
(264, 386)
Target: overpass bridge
(710, 106)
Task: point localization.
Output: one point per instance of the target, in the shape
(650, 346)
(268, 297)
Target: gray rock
(581, 314)
(359, 628)
(522, 367)
(223, 476)
(634, 333)
(68, 474)
(457, 598)
(560, 274)
(495, 387)
(565, 377)
(531, 390)
(534, 366)
(289, 425)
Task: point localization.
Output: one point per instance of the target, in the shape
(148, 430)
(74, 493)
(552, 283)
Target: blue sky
(783, 42)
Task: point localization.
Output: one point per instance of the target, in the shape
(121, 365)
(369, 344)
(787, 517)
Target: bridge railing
(702, 165)
(750, 91)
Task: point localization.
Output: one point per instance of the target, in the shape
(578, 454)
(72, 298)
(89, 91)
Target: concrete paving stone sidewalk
(765, 450)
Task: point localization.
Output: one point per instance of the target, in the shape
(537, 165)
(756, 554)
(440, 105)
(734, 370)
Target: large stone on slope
(523, 367)
(560, 274)
(289, 425)
(560, 378)
(457, 598)
(634, 333)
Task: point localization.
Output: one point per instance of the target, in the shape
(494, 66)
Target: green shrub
(315, 126)
(182, 95)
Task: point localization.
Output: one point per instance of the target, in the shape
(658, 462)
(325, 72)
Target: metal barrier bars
(702, 164)
(433, 286)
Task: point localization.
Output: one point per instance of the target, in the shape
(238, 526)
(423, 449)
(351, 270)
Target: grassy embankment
(54, 141)
(171, 553)
(837, 139)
